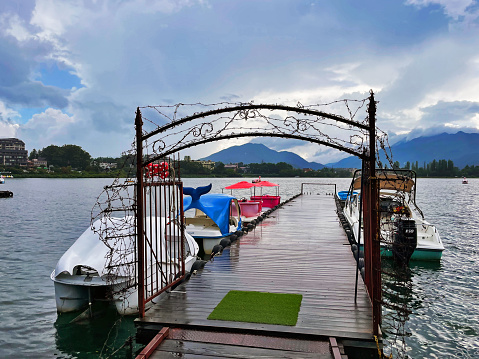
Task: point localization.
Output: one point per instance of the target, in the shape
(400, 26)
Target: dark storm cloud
(17, 65)
(449, 112)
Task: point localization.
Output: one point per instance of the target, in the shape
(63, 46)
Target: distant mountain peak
(258, 153)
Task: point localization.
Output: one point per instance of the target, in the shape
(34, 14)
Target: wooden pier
(300, 248)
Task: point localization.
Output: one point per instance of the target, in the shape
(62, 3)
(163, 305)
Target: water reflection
(398, 303)
(105, 335)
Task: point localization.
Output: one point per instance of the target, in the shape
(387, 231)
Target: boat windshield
(390, 206)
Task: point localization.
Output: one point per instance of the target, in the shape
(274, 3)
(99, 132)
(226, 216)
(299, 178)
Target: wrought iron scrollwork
(233, 120)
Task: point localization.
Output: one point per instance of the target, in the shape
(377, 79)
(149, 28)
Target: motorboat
(405, 234)
(84, 274)
(2, 180)
(210, 217)
(464, 180)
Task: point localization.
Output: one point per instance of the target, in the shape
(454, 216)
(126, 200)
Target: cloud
(52, 124)
(418, 56)
(8, 128)
(430, 131)
(455, 114)
(18, 60)
(34, 94)
(453, 8)
(20, 8)
(278, 144)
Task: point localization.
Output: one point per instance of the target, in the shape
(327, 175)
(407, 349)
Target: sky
(74, 72)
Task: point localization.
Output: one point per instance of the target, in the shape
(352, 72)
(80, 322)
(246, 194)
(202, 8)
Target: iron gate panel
(162, 261)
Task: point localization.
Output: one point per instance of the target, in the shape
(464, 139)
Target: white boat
(402, 224)
(464, 180)
(2, 180)
(82, 274)
(210, 217)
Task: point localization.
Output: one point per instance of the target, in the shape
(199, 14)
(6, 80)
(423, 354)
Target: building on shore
(38, 163)
(107, 165)
(232, 166)
(207, 164)
(12, 152)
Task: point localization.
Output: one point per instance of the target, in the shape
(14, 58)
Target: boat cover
(265, 184)
(241, 185)
(246, 184)
(390, 182)
(214, 205)
(89, 250)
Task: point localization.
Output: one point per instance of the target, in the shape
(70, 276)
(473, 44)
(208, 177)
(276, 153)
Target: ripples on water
(39, 224)
(46, 216)
(446, 324)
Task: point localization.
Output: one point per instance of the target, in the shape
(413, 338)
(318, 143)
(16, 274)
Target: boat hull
(76, 292)
(70, 298)
(419, 254)
(208, 243)
(250, 210)
(267, 201)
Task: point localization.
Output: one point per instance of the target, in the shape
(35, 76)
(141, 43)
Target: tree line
(64, 156)
(72, 159)
(439, 168)
(281, 169)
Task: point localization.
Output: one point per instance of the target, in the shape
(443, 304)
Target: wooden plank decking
(301, 248)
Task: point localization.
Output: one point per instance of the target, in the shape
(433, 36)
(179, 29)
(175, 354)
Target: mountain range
(258, 153)
(462, 148)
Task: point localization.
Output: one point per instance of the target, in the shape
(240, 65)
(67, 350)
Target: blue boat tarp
(343, 195)
(214, 205)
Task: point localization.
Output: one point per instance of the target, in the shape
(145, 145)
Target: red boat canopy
(265, 184)
(246, 184)
(241, 185)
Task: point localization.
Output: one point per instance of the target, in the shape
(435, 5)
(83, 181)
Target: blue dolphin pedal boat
(210, 217)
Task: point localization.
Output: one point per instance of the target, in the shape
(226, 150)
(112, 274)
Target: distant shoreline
(105, 175)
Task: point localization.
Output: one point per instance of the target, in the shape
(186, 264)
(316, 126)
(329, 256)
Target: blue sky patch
(27, 113)
(52, 75)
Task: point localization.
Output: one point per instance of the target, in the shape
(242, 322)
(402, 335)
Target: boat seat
(200, 221)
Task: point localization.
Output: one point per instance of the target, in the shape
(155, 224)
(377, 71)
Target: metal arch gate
(146, 250)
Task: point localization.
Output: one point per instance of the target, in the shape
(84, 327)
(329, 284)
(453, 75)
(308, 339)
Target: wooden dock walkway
(301, 248)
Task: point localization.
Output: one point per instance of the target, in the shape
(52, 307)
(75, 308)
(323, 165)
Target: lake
(46, 216)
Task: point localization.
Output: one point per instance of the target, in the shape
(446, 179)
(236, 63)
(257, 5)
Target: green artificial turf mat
(258, 307)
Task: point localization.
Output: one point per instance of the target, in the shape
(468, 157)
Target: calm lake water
(46, 216)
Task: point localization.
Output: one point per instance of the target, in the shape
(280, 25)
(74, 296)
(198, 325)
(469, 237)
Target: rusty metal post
(375, 266)
(139, 213)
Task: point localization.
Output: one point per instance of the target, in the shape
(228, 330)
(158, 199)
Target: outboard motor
(405, 241)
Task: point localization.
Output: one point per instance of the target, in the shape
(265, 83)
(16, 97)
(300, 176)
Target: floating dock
(300, 248)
